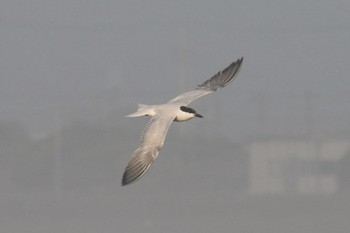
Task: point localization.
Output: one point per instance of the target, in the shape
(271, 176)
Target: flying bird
(153, 136)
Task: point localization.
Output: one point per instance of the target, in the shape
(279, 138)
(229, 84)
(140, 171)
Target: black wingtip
(130, 177)
(127, 179)
(124, 182)
(224, 77)
(238, 62)
(138, 165)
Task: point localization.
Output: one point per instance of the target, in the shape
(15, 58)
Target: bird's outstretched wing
(153, 136)
(152, 140)
(219, 80)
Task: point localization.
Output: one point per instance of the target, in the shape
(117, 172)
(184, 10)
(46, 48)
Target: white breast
(183, 116)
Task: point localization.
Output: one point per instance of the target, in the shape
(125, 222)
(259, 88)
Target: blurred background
(271, 155)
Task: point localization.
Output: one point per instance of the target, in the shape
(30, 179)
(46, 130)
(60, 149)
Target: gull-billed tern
(153, 136)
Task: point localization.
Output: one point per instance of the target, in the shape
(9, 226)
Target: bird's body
(153, 136)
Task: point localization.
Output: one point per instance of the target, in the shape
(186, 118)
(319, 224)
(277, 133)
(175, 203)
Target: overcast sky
(73, 57)
(70, 70)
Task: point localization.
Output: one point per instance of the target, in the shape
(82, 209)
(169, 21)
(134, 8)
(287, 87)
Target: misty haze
(272, 153)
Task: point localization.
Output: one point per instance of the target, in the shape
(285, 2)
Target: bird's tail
(142, 110)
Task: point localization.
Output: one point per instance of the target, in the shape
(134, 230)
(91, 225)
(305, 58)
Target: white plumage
(153, 136)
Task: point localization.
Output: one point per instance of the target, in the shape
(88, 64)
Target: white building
(295, 166)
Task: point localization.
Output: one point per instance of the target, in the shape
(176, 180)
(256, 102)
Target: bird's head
(190, 112)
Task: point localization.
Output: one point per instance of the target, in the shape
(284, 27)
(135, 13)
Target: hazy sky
(93, 58)
(81, 65)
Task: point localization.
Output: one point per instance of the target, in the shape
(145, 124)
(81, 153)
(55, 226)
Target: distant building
(297, 167)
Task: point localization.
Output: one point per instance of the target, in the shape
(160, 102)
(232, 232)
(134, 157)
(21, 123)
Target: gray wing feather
(220, 80)
(156, 129)
(140, 162)
(152, 140)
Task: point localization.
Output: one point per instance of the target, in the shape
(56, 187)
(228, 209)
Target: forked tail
(143, 110)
